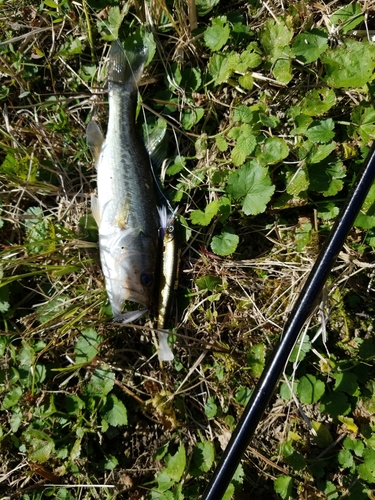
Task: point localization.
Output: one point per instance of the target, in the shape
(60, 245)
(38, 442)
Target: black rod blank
(303, 307)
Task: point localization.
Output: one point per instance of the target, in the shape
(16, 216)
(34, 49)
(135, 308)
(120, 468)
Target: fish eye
(147, 279)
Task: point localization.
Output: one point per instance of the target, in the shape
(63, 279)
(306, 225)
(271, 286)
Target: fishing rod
(302, 309)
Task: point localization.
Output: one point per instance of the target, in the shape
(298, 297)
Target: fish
(167, 278)
(125, 208)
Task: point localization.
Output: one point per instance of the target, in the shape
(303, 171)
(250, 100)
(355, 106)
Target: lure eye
(147, 279)
(170, 229)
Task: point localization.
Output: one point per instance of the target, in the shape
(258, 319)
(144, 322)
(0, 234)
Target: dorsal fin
(95, 140)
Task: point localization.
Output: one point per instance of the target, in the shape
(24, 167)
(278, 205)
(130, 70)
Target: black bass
(126, 207)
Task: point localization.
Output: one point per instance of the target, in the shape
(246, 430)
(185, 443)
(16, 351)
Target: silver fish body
(126, 206)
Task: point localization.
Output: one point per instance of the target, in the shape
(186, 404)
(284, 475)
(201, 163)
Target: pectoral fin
(95, 140)
(95, 209)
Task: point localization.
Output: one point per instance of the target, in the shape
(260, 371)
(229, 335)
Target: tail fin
(124, 67)
(165, 352)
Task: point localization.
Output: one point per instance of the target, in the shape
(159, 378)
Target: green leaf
(242, 114)
(51, 3)
(363, 118)
(366, 218)
(4, 91)
(348, 17)
(109, 28)
(328, 211)
(345, 459)
(72, 46)
(38, 230)
(208, 283)
(350, 64)
(225, 207)
(269, 120)
(355, 445)
(192, 79)
(161, 452)
(210, 408)
(225, 243)
(228, 495)
(40, 446)
(16, 419)
(287, 390)
(364, 221)
(321, 131)
(291, 456)
(205, 6)
(202, 459)
(114, 411)
(302, 124)
(243, 395)
(3, 343)
(309, 46)
(325, 177)
(216, 36)
(39, 374)
(300, 350)
(346, 382)
(246, 143)
(256, 359)
(310, 389)
(221, 143)
(283, 486)
(220, 67)
(26, 356)
(191, 117)
(323, 436)
(273, 150)
(178, 165)
(318, 101)
(165, 482)
(238, 477)
(101, 383)
(251, 182)
(275, 36)
(48, 311)
(110, 462)
(335, 404)
(246, 81)
(175, 464)
(11, 397)
(303, 236)
(297, 181)
(319, 153)
(282, 69)
(249, 60)
(366, 470)
(204, 218)
(73, 404)
(4, 304)
(86, 346)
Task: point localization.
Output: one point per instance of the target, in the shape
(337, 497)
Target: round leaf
(225, 243)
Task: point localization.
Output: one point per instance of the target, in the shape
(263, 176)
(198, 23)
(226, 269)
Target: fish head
(128, 264)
